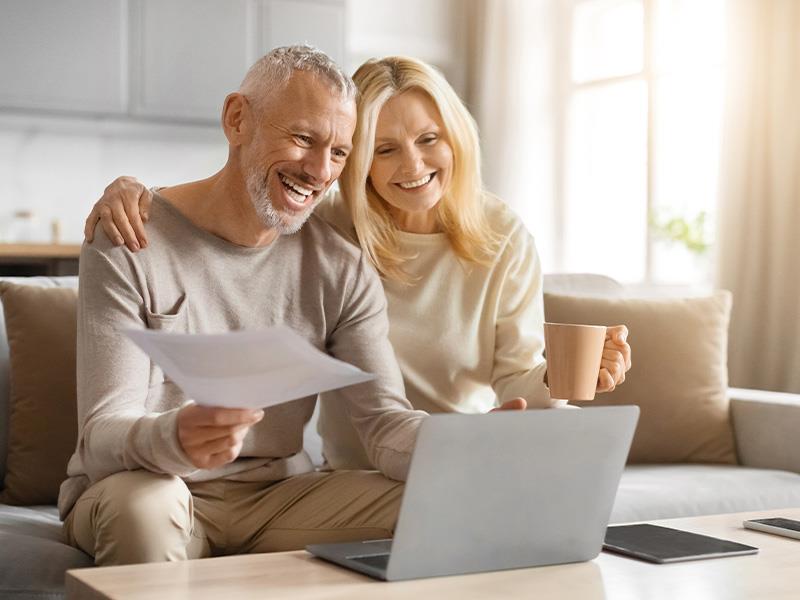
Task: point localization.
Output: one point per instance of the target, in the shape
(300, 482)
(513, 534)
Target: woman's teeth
(419, 182)
(295, 191)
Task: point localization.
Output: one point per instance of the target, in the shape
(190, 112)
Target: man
(156, 477)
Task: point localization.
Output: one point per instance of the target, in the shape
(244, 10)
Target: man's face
(302, 138)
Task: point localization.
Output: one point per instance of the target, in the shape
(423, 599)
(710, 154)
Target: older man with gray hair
(156, 477)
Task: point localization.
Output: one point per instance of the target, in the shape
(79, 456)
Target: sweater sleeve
(116, 432)
(378, 409)
(519, 365)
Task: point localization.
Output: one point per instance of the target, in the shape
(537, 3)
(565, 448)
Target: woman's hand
(122, 211)
(514, 404)
(616, 359)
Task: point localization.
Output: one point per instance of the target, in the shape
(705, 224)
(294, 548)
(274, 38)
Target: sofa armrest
(767, 428)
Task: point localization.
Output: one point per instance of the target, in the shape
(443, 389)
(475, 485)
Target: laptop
(503, 490)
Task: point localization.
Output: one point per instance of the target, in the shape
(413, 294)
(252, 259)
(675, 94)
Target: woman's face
(413, 161)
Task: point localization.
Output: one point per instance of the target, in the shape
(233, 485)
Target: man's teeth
(296, 192)
(414, 184)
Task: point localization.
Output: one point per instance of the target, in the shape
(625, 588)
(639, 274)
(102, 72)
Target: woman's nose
(412, 162)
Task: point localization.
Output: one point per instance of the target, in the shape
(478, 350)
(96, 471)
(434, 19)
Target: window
(641, 97)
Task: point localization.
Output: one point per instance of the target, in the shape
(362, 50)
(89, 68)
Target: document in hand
(245, 369)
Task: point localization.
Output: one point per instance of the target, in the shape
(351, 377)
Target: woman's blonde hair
(460, 212)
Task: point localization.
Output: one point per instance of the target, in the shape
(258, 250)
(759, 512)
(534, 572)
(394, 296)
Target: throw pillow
(41, 324)
(679, 375)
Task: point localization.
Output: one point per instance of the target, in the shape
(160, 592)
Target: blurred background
(655, 141)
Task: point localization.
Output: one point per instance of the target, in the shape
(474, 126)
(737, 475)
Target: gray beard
(271, 217)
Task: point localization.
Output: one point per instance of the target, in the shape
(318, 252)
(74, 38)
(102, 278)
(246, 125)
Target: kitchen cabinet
(320, 23)
(187, 55)
(64, 55)
(157, 60)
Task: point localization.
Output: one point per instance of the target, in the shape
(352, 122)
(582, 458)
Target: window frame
(565, 90)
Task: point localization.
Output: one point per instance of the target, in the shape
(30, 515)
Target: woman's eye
(429, 139)
(383, 151)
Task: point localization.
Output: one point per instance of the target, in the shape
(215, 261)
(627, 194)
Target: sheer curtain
(510, 93)
(759, 211)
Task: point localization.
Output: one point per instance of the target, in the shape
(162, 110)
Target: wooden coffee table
(772, 573)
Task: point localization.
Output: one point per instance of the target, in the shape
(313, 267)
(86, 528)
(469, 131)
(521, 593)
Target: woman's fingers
(614, 362)
(617, 338)
(90, 224)
(145, 200)
(605, 382)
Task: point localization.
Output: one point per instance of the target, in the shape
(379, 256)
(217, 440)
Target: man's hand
(211, 436)
(616, 359)
(515, 404)
(122, 211)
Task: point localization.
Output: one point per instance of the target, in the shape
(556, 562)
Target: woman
(461, 273)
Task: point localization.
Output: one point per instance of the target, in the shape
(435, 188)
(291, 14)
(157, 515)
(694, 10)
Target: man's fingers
(215, 446)
(203, 434)
(220, 417)
(212, 461)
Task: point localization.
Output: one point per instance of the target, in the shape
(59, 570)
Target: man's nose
(318, 166)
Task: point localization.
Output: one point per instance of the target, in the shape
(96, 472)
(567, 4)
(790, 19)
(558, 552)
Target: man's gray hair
(272, 71)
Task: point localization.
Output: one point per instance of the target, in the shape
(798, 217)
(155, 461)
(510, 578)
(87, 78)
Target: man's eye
(304, 139)
(339, 153)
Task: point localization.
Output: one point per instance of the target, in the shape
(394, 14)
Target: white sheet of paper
(245, 369)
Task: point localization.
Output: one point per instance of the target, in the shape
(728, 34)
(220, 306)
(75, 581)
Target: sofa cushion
(679, 372)
(41, 325)
(648, 492)
(71, 282)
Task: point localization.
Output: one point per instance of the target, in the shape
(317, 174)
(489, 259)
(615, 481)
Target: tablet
(665, 545)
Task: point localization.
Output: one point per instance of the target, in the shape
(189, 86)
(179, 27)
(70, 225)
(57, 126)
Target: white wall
(57, 167)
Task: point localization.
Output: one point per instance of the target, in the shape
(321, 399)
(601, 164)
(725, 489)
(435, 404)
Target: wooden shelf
(40, 250)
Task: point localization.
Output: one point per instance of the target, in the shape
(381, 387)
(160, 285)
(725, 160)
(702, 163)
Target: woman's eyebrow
(430, 128)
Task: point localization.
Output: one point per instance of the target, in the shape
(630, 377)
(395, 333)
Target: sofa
(762, 473)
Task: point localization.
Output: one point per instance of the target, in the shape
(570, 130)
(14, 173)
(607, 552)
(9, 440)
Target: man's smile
(298, 193)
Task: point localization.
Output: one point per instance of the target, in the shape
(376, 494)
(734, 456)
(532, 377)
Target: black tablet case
(664, 545)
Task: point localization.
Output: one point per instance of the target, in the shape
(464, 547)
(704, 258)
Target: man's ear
(236, 118)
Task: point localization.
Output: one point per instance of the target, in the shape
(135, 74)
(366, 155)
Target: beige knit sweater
(188, 280)
(467, 337)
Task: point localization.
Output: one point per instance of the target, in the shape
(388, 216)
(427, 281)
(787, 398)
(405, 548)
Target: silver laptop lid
(539, 490)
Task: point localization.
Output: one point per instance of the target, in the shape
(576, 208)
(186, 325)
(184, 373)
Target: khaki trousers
(139, 516)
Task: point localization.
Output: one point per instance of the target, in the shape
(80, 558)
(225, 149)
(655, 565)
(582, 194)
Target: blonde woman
(462, 278)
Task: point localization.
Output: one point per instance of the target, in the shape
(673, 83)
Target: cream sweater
(189, 280)
(467, 337)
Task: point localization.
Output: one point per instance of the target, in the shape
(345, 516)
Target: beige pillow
(42, 328)
(679, 374)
